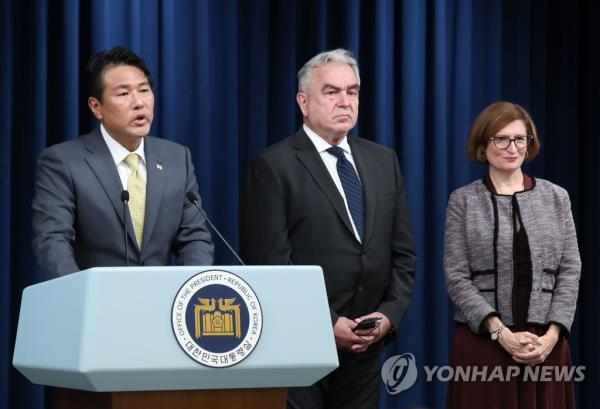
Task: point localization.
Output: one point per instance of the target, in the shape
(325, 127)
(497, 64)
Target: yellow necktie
(137, 196)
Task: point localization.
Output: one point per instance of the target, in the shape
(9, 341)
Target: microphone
(192, 197)
(125, 200)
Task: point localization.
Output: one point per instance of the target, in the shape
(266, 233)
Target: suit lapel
(155, 185)
(310, 159)
(103, 166)
(362, 160)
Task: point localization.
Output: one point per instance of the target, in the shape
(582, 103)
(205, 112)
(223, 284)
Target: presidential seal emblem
(216, 318)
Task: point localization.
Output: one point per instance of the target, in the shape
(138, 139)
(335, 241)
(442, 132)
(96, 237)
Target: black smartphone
(368, 323)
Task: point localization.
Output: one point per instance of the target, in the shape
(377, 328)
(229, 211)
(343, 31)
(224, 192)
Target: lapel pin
(158, 166)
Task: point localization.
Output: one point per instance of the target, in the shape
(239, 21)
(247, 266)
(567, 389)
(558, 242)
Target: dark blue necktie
(352, 189)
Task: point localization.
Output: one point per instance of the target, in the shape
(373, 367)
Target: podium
(106, 338)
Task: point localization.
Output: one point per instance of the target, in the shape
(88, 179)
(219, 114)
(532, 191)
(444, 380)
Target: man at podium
(324, 198)
(117, 196)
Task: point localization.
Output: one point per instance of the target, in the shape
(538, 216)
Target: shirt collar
(118, 151)
(321, 144)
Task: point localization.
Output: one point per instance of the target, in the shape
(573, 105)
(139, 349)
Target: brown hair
(491, 120)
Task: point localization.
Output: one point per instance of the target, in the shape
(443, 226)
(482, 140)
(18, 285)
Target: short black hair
(99, 62)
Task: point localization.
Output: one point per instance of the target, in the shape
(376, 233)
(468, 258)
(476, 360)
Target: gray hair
(339, 55)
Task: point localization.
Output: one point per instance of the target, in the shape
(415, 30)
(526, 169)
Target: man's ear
(96, 107)
(302, 100)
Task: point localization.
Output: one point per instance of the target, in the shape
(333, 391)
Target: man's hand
(346, 339)
(385, 326)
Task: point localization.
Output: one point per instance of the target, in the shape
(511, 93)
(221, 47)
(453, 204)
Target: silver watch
(496, 333)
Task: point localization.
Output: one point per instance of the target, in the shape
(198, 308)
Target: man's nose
(137, 100)
(343, 99)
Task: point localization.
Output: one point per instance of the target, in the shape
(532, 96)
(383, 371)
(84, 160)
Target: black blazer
(292, 213)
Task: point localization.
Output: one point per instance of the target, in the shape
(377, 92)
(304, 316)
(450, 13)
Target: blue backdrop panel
(225, 81)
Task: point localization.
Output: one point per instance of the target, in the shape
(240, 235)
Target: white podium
(111, 330)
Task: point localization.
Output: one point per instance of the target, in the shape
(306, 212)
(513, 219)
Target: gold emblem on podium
(217, 318)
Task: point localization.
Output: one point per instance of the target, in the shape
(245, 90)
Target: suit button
(360, 289)
(363, 258)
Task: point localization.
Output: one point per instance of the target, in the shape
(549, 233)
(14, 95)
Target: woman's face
(510, 158)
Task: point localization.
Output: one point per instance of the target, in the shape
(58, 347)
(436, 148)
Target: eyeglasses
(503, 141)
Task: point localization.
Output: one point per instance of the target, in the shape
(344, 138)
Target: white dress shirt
(330, 162)
(119, 153)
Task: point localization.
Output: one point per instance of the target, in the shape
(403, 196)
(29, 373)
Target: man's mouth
(343, 116)
(140, 120)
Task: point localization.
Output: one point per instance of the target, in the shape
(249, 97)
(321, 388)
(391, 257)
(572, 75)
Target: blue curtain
(225, 82)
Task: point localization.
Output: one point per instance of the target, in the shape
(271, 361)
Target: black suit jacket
(78, 214)
(292, 213)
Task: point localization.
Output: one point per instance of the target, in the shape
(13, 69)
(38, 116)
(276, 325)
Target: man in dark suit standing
(321, 197)
(79, 209)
